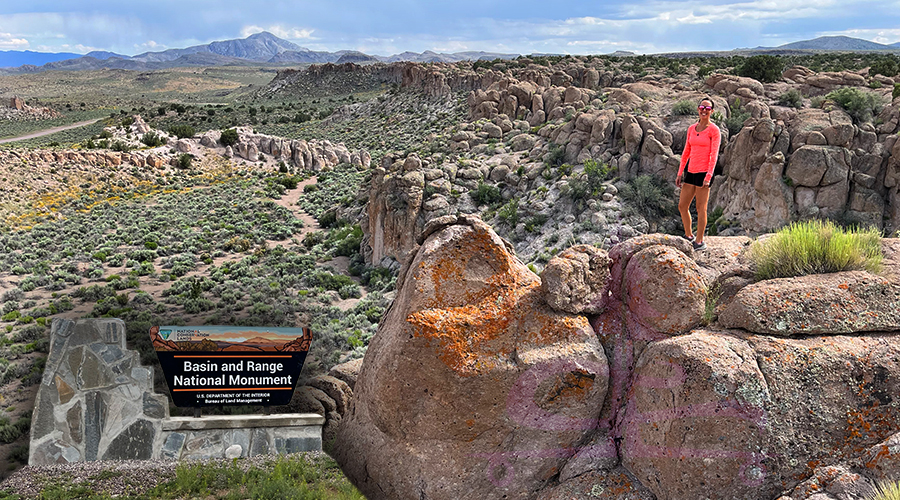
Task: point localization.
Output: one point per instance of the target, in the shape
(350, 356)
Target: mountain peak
(264, 35)
(836, 42)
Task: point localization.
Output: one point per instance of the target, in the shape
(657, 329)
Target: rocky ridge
(532, 131)
(17, 110)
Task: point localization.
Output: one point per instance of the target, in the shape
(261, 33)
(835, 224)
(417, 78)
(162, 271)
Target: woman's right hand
(678, 181)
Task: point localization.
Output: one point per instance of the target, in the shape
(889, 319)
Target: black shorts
(695, 179)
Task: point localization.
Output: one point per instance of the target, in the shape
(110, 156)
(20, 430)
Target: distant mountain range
(266, 48)
(262, 47)
(9, 58)
(842, 43)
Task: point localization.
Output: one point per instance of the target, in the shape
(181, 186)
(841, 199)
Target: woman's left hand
(705, 183)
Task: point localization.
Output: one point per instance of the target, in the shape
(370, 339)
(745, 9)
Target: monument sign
(230, 365)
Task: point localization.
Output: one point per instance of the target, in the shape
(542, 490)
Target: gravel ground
(116, 477)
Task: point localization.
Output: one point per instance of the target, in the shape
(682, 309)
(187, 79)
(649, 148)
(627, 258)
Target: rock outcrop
(784, 164)
(497, 388)
(780, 165)
(474, 387)
(15, 109)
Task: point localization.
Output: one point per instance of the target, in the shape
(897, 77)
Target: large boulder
(472, 386)
(395, 202)
(665, 289)
(576, 281)
(731, 84)
(726, 416)
(854, 301)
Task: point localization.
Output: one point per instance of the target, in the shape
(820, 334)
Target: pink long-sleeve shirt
(702, 148)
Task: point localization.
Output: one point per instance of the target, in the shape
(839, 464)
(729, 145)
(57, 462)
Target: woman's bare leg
(702, 201)
(684, 206)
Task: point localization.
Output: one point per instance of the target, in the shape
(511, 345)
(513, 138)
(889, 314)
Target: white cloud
(692, 19)
(280, 32)
(694, 12)
(451, 46)
(885, 36)
(65, 47)
(150, 46)
(589, 21)
(90, 30)
(85, 48)
(10, 42)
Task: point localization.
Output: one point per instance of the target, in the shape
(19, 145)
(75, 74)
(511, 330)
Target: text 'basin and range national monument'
(227, 365)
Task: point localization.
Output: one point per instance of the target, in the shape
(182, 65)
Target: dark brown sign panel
(228, 365)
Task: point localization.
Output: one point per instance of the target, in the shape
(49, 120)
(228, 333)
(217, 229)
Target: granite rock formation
(780, 165)
(474, 387)
(496, 387)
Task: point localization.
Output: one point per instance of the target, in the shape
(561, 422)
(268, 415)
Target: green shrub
(709, 309)
(764, 68)
(349, 291)
(229, 137)
(152, 139)
(736, 119)
(486, 194)
(19, 454)
(120, 147)
(182, 131)
(329, 281)
(791, 98)
(651, 196)
(896, 91)
(9, 431)
(184, 161)
(509, 212)
(682, 108)
(816, 246)
(862, 106)
(346, 240)
(886, 66)
(596, 173)
(293, 477)
(555, 156)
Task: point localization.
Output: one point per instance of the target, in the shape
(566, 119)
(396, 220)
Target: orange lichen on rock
(483, 335)
(472, 292)
(452, 269)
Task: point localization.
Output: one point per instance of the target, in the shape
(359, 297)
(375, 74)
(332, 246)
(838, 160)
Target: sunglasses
(704, 107)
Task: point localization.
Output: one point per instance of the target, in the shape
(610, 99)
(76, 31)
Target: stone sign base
(96, 402)
(241, 435)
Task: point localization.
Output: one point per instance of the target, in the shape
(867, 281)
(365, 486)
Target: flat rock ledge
(820, 304)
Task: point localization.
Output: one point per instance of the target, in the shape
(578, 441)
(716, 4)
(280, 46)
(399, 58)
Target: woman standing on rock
(701, 147)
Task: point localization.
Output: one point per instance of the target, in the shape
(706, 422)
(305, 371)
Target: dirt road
(49, 131)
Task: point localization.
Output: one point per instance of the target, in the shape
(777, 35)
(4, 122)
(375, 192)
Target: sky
(132, 27)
